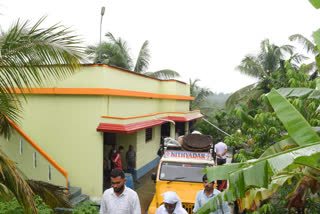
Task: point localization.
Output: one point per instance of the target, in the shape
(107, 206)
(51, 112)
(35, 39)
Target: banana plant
(263, 173)
(315, 3)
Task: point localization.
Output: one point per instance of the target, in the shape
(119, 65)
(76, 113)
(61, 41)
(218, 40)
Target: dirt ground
(145, 189)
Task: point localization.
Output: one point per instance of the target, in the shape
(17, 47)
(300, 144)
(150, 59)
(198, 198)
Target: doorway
(165, 131)
(180, 128)
(109, 142)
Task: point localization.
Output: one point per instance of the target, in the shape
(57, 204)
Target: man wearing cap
(172, 204)
(203, 196)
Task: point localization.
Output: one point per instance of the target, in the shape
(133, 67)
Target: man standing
(172, 204)
(221, 151)
(203, 196)
(116, 159)
(119, 199)
(131, 161)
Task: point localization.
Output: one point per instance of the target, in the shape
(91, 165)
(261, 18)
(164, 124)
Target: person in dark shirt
(131, 161)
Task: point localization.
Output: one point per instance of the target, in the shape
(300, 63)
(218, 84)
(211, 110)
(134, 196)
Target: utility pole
(102, 13)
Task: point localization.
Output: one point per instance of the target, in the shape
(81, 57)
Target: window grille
(148, 134)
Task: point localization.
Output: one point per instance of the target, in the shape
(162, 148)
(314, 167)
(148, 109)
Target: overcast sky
(204, 39)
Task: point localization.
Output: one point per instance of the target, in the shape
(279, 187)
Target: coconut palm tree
(311, 47)
(198, 93)
(261, 67)
(29, 56)
(116, 52)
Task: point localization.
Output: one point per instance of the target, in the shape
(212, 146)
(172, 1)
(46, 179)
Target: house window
(148, 134)
(49, 176)
(35, 159)
(21, 146)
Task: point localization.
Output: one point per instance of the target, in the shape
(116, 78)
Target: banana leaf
(316, 4)
(257, 173)
(213, 204)
(300, 92)
(316, 34)
(284, 144)
(255, 195)
(221, 172)
(298, 128)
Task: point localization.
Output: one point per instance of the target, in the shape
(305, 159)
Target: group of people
(120, 199)
(114, 161)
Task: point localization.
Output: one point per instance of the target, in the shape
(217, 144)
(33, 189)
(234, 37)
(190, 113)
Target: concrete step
(75, 197)
(79, 199)
(74, 192)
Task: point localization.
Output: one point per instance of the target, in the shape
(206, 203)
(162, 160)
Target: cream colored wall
(25, 160)
(129, 106)
(104, 77)
(174, 105)
(147, 151)
(174, 88)
(65, 127)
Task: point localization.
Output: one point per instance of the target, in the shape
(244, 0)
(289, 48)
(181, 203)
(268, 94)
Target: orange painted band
(101, 91)
(148, 115)
(43, 153)
(132, 72)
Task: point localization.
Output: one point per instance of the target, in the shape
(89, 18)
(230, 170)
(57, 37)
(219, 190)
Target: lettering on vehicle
(188, 155)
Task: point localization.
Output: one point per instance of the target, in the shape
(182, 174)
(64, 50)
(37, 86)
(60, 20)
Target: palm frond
(14, 184)
(164, 74)
(122, 49)
(53, 195)
(238, 95)
(201, 94)
(193, 86)
(28, 53)
(286, 49)
(298, 58)
(250, 67)
(91, 51)
(10, 109)
(306, 43)
(143, 58)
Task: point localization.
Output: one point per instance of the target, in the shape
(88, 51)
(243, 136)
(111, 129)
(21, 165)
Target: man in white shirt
(119, 199)
(221, 151)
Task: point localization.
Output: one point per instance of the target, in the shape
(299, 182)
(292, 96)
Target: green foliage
(116, 52)
(249, 176)
(86, 208)
(228, 122)
(200, 94)
(13, 206)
